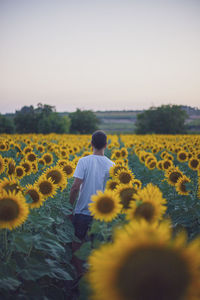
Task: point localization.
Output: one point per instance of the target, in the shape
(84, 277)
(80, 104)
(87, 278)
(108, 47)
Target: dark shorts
(81, 224)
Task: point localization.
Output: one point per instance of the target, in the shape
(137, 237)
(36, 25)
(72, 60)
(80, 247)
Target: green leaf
(84, 251)
(9, 283)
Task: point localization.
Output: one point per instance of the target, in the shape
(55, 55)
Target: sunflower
(137, 184)
(105, 206)
(57, 175)
(31, 157)
(41, 162)
(166, 164)
(124, 152)
(193, 163)
(3, 147)
(151, 164)
(115, 168)
(181, 187)
(159, 165)
(27, 167)
(148, 193)
(19, 172)
(126, 194)
(144, 262)
(125, 176)
(172, 175)
(48, 158)
(40, 148)
(35, 195)
(46, 186)
(13, 210)
(112, 184)
(10, 185)
(68, 169)
(27, 149)
(2, 165)
(152, 208)
(34, 167)
(182, 156)
(10, 167)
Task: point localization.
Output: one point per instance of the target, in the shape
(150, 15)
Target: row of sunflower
(154, 178)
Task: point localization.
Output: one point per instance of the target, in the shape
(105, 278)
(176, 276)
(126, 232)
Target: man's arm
(74, 190)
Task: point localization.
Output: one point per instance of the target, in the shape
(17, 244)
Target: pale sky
(99, 54)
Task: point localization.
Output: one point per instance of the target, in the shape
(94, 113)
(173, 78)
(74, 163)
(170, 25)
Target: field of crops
(144, 240)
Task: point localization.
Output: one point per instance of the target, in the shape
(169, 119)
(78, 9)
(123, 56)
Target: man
(90, 175)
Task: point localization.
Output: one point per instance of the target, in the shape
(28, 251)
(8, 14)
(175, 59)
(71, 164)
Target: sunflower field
(144, 241)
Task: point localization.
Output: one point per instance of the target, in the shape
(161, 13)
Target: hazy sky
(127, 54)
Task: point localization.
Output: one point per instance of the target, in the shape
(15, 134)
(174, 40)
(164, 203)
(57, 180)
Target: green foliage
(6, 125)
(166, 119)
(43, 119)
(83, 121)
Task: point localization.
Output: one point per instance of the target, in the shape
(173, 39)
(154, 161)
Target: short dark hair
(99, 139)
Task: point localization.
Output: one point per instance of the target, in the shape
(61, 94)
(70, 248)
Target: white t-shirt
(94, 170)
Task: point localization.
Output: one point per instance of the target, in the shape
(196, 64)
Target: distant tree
(43, 119)
(166, 119)
(83, 121)
(6, 125)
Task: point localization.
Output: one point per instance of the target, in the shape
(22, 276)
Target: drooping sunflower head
(46, 186)
(57, 175)
(13, 210)
(105, 206)
(181, 185)
(172, 175)
(2, 165)
(48, 158)
(112, 184)
(144, 262)
(10, 184)
(36, 197)
(125, 176)
(10, 167)
(126, 194)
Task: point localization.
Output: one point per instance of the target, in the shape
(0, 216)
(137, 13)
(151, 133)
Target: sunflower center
(19, 172)
(124, 177)
(47, 158)
(183, 186)
(68, 169)
(166, 164)
(174, 176)
(34, 195)
(105, 205)
(31, 157)
(113, 185)
(182, 156)
(152, 164)
(45, 187)
(194, 163)
(9, 210)
(11, 168)
(153, 274)
(26, 167)
(126, 197)
(145, 210)
(55, 176)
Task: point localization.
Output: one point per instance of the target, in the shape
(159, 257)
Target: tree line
(166, 119)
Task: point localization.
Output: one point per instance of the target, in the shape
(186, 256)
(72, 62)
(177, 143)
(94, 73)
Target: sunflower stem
(6, 241)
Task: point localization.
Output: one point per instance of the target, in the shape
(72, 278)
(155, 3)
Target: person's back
(94, 171)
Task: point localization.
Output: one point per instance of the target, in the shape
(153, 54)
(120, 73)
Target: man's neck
(98, 152)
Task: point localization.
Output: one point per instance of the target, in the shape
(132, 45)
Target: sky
(99, 55)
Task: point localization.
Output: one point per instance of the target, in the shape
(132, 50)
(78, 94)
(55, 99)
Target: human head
(99, 140)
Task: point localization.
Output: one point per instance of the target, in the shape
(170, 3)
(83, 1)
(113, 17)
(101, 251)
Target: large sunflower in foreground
(105, 206)
(145, 263)
(46, 186)
(13, 210)
(57, 175)
(35, 195)
(181, 185)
